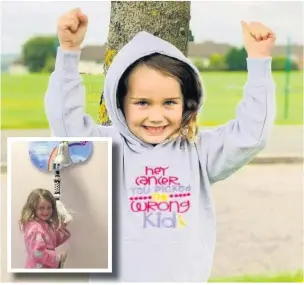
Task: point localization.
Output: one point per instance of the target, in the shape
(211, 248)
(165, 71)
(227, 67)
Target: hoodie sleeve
(229, 147)
(62, 235)
(37, 248)
(65, 100)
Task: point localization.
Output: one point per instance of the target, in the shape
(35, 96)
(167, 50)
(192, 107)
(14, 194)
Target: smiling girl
(164, 164)
(43, 231)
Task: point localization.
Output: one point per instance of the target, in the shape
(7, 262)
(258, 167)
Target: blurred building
(95, 54)
(17, 67)
(91, 60)
(92, 57)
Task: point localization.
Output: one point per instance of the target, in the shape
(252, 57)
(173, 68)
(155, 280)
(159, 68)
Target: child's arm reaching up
(65, 95)
(62, 235)
(229, 147)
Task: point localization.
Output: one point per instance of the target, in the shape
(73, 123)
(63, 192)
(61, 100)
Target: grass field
(23, 105)
(282, 277)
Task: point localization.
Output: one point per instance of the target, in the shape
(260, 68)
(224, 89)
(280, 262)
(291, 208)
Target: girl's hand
(258, 39)
(72, 27)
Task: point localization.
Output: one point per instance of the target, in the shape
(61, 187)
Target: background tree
(217, 62)
(39, 52)
(191, 36)
(236, 59)
(199, 64)
(168, 20)
(279, 63)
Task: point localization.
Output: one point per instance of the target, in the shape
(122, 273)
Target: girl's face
(153, 106)
(44, 210)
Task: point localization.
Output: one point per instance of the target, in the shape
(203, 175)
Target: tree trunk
(168, 20)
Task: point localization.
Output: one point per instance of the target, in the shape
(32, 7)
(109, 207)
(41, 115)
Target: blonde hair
(28, 212)
(189, 125)
(189, 128)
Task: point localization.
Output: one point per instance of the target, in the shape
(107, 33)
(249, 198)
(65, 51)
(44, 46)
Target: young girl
(165, 166)
(43, 231)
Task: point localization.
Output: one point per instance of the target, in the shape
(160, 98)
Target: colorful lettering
(156, 220)
(156, 170)
(148, 180)
(159, 197)
(155, 195)
(181, 221)
(170, 206)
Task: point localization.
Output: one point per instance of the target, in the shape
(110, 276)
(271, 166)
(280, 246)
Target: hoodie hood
(141, 45)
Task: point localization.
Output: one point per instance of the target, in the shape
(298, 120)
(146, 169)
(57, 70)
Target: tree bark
(168, 20)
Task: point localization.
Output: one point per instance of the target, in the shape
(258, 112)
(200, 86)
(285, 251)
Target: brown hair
(29, 209)
(189, 83)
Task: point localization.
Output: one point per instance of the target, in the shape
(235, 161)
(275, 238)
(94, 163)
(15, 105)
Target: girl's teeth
(155, 130)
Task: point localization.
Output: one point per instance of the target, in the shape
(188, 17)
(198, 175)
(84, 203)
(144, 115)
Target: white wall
(84, 190)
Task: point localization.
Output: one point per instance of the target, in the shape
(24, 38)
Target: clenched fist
(72, 27)
(258, 39)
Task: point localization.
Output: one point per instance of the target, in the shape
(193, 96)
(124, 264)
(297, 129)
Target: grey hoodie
(164, 213)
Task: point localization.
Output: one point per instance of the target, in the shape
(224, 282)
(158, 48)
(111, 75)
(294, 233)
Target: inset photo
(59, 205)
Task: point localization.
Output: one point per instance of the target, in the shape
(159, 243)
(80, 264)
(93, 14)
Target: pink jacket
(41, 239)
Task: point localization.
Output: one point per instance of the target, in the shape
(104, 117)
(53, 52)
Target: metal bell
(62, 158)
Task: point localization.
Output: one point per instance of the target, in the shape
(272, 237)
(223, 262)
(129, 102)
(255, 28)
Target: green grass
(282, 277)
(23, 106)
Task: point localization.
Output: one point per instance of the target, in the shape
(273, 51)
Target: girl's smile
(155, 131)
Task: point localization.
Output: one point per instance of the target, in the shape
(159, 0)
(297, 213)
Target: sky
(218, 21)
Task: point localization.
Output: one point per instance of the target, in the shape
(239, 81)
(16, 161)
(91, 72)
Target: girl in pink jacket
(43, 231)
